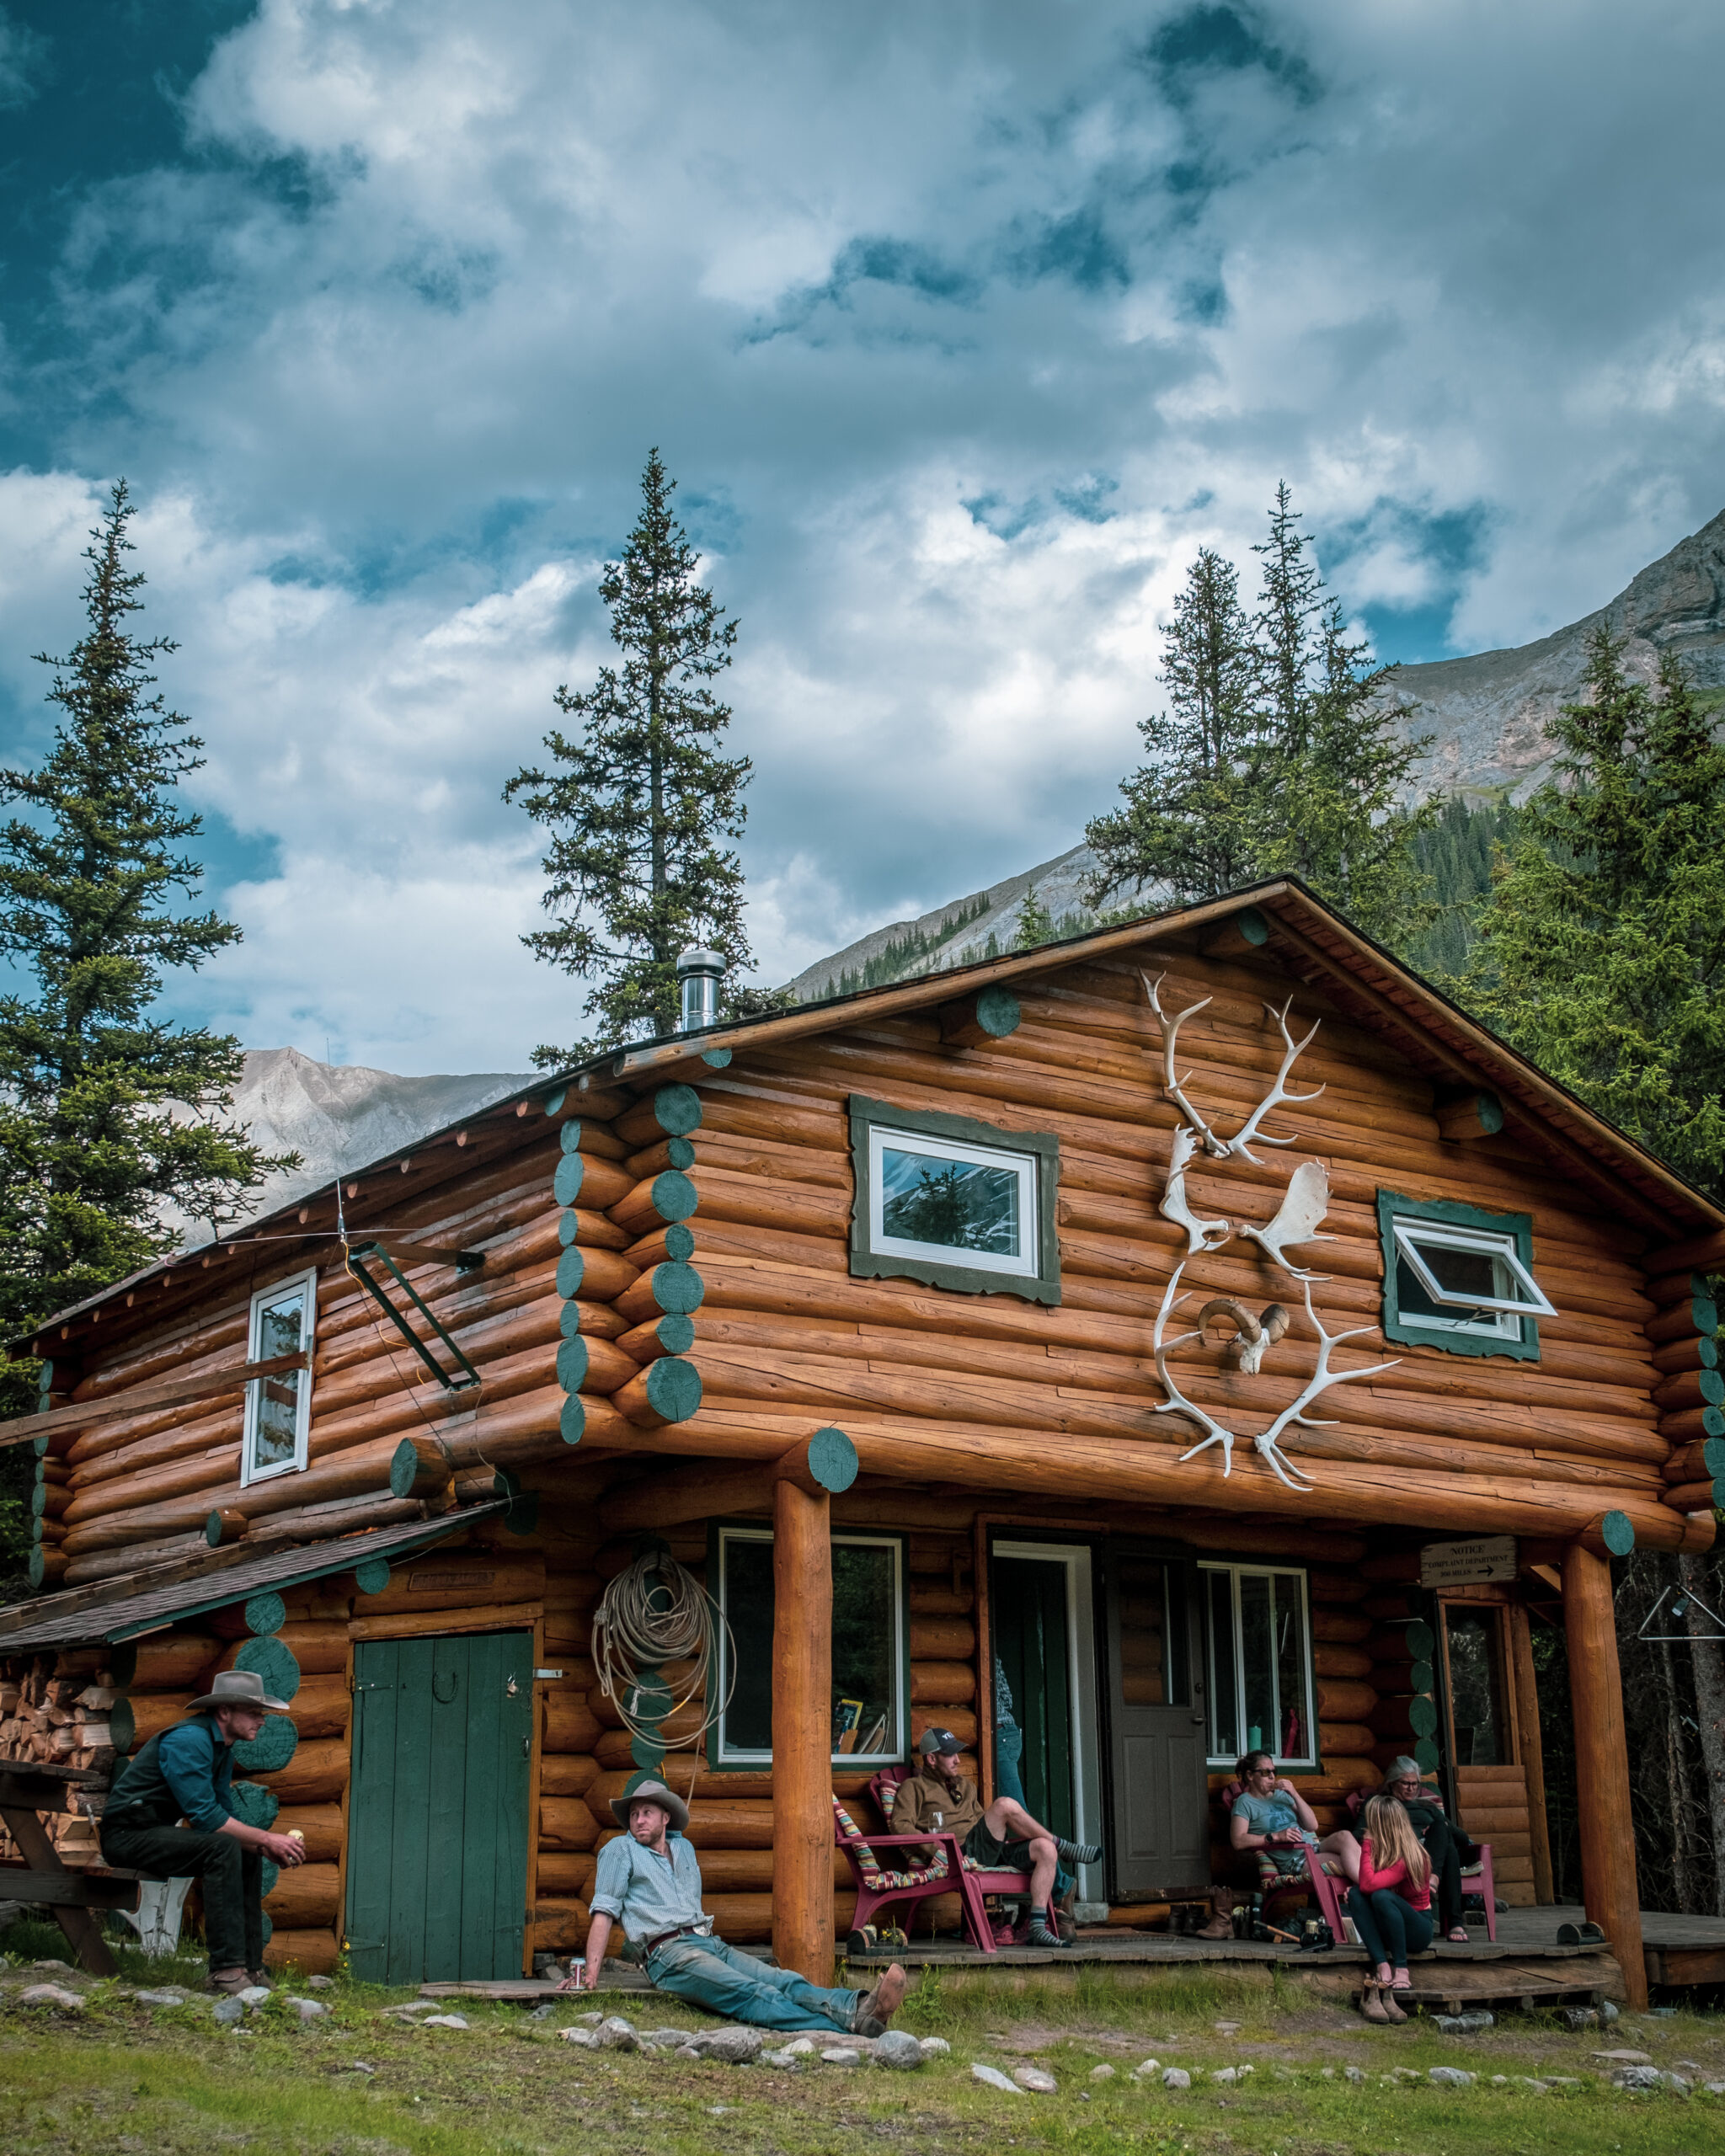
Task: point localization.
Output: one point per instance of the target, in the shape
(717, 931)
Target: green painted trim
(678, 1243)
(572, 1421)
(673, 1388)
(1044, 1287)
(676, 1109)
(1708, 1350)
(678, 1288)
(571, 1271)
(1713, 1421)
(566, 1183)
(1713, 1386)
(1426, 1756)
(717, 1058)
(905, 1755)
(404, 1469)
(1617, 1530)
(675, 1197)
(569, 1227)
(213, 1530)
(680, 1153)
(569, 1322)
(254, 1804)
(270, 1749)
(264, 1612)
(832, 1459)
(1706, 1313)
(38, 1445)
(572, 1361)
(1393, 1206)
(1252, 924)
(676, 1332)
(1422, 1677)
(1713, 1456)
(39, 1498)
(1423, 1714)
(997, 1012)
(272, 1660)
(372, 1576)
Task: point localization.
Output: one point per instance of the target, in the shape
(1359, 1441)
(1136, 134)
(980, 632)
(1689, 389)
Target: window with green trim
(870, 1671)
(954, 1203)
(1461, 1279)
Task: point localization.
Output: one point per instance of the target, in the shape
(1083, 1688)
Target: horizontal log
(595, 1276)
(1342, 1739)
(172, 1393)
(1341, 1700)
(566, 1822)
(455, 1580)
(564, 1872)
(1694, 1351)
(1699, 1316)
(592, 1181)
(569, 1723)
(735, 1823)
(708, 1784)
(1687, 1498)
(321, 1707)
(943, 1714)
(319, 1825)
(668, 1390)
(317, 1774)
(1701, 1253)
(1338, 1624)
(560, 1927)
(668, 1196)
(1697, 1462)
(305, 1896)
(567, 1774)
(941, 1639)
(930, 1601)
(1133, 1472)
(1329, 1660)
(313, 1951)
(133, 1720)
(664, 1335)
(1694, 1427)
(1687, 1389)
(946, 1684)
(419, 1624)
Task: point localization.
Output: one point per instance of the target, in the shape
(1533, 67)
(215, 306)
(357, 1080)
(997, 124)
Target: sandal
(1457, 1936)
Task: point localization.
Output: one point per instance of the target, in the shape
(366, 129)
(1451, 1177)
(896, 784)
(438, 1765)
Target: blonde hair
(1387, 1826)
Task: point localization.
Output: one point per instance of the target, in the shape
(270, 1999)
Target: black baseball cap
(939, 1740)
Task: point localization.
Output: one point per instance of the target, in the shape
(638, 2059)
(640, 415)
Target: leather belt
(659, 1939)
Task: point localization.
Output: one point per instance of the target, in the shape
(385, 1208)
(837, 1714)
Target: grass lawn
(117, 2077)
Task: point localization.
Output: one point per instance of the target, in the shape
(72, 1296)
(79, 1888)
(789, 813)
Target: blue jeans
(1390, 1930)
(710, 1974)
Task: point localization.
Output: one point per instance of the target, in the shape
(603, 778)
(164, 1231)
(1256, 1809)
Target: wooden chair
(1480, 1870)
(950, 1871)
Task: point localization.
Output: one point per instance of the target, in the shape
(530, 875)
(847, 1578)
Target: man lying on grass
(649, 1881)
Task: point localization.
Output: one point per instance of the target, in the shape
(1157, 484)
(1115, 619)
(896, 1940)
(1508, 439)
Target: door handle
(1195, 1718)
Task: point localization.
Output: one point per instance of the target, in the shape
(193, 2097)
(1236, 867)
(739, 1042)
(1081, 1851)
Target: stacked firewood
(54, 1709)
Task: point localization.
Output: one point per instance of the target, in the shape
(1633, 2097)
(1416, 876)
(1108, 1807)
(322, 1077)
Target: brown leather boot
(1371, 2004)
(1393, 2006)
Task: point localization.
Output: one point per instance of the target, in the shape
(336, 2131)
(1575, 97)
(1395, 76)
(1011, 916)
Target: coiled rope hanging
(658, 1612)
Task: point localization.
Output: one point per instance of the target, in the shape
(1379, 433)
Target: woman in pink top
(1391, 1905)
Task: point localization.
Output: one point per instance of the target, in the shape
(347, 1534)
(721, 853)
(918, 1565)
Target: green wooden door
(437, 1807)
(1032, 1643)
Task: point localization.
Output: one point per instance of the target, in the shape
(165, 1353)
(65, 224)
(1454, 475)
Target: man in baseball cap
(186, 1773)
(649, 1882)
(943, 1800)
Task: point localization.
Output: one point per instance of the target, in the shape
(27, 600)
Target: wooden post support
(801, 1729)
(1532, 1750)
(1474, 1115)
(988, 1016)
(1607, 1827)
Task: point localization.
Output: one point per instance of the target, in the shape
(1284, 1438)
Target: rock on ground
(1176, 2077)
(1036, 2079)
(842, 2055)
(899, 2049)
(936, 2047)
(994, 2079)
(58, 1995)
(1451, 2076)
(443, 2021)
(732, 2046)
(228, 2011)
(1101, 2073)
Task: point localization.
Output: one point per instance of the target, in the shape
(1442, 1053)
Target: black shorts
(993, 1855)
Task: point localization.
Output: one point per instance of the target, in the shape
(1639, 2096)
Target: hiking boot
(1371, 2004)
(261, 1978)
(229, 1986)
(1078, 1852)
(876, 2007)
(1393, 2006)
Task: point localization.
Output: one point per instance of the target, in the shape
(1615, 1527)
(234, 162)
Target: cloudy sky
(961, 327)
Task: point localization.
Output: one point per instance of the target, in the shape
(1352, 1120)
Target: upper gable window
(954, 1203)
(279, 1408)
(1458, 1279)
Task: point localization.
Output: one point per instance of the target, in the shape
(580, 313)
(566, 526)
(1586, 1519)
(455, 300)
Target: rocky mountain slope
(1489, 714)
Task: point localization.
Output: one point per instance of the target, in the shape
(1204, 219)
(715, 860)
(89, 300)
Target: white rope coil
(658, 1612)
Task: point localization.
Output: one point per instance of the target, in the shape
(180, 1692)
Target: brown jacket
(925, 1805)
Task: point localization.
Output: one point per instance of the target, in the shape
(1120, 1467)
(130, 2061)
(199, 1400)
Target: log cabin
(1194, 1336)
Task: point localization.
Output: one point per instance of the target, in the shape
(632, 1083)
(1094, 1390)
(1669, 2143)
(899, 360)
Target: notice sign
(1460, 1563)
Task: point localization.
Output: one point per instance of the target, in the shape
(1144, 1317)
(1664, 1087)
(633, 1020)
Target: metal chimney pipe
(699, 973)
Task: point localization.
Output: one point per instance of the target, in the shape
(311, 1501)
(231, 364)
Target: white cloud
(962, 332)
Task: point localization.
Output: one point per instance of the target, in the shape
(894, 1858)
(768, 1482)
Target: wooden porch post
(802, 1700)
(1530, 1750)
(1602, 1763)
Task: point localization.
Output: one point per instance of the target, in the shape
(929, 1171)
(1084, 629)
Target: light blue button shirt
(647, 1893)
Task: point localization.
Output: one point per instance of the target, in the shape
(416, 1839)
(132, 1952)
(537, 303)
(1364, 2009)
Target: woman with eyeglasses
(1448, 1847)
(1270, 1815)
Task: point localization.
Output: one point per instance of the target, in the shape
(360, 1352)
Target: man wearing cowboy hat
(187, 1773)
(649, 1882)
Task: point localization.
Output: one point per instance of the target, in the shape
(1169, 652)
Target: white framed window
(1466, 1279)
(279, 1408)
(1458, 1279)
(1257, 1652)
(957, 1204)
(870, 1666)
(938, 1199)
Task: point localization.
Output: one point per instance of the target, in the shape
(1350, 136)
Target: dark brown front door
(1159, 1806)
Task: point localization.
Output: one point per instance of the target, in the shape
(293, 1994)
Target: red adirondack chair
(1480, 1872)
(949, 1872)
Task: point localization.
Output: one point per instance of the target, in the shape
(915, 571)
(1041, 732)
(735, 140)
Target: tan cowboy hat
(667, 1800)
(238, 1687)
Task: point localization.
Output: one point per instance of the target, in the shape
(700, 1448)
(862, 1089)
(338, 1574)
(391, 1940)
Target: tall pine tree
(1279, 753)
(1600, 952)
(642, 801)
(1194, 810)
(90, 1150)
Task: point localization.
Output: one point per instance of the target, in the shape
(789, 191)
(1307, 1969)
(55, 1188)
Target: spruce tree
(1035, 924)
(643, 800)
(90, 1150)
(1600, 952)
(1195, 809)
